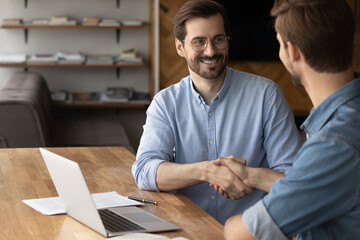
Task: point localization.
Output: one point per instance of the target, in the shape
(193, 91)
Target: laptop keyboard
(116, 223)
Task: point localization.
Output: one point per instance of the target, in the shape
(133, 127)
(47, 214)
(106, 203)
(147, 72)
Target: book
(70, 58)
(131, 22)
(40, 22)
(62, 21)
(12, 22)
(42, 59)
(116, 94)
(128, 57)
(85, 97)
(59, 19)
(90, 21)
(129, 53)
(109, 22)
(67, 23)
(12, 58)
(59, 96)
(99, 59)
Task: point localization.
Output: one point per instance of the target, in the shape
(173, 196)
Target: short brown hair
(198, 8)
(323, 30)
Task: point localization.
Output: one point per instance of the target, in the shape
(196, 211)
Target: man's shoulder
(173, 95)
(174, 90)
(245, 78)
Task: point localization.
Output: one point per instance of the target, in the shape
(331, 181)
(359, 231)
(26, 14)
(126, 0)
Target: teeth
(209, 62)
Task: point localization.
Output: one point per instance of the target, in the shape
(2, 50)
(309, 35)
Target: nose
(209, 49)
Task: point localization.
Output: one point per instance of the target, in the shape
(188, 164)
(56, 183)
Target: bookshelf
(147, 62)
(26, 27)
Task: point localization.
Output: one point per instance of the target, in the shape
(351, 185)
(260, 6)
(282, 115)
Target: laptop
(71, 187)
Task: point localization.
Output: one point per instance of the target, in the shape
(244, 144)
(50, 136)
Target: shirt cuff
(259, 222)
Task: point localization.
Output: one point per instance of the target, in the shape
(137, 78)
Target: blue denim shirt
(320, 196)
(249, 118)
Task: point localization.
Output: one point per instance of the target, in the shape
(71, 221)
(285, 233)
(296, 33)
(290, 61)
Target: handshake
(231, 177)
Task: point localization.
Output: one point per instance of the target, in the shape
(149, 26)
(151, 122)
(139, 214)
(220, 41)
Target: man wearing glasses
(214, 112)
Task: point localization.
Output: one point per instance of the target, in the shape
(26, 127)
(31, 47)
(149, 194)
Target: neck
(207, 88)
(320, 86)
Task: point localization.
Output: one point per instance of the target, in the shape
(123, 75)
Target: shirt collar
(320, 115)
(220, 94)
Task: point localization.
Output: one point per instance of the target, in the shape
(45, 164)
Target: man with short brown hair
(319, 197)
(214, 112)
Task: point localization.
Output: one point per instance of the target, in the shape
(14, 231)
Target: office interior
(253, 49)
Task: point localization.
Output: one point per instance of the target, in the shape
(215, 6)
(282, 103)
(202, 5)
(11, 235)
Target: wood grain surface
(23, 175)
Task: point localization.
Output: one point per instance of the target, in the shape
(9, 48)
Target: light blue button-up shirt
(248, 118)
(320, 196)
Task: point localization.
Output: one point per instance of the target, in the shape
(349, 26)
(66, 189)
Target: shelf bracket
(118, 3)
(118, 31)
(26, 35)
(25, 3)
(26, 69)
(118, 73)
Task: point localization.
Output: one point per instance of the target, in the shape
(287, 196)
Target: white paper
(54, 205)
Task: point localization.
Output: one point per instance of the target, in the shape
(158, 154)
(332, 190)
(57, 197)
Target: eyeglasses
(199, 44)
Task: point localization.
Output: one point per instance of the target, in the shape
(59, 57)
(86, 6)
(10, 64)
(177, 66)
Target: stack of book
(40, 22)
(85, 97)
(60, 96)
(12, 22)
(109, 22)
(99, 59)
(131, 22)
(12, 58)
(90, 21)
(70, 58)
(116, 94)
(42, 59)
(62, 21)
(128, 57)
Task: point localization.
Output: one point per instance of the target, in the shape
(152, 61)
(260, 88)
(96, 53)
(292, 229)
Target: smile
(209, 61)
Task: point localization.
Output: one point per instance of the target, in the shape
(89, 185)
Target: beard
(296, 80)
(209, 72)
(295, 77)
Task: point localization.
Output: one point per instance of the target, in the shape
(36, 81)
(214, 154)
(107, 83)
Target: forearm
(236, 229)
(172, 176)
(262, 178)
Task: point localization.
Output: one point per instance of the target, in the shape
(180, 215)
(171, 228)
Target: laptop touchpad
(139, 217)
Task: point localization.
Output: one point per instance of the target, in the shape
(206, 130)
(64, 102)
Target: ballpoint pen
(142, 200)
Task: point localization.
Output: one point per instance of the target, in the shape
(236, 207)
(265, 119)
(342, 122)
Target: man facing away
(319, 198)
(214, 112)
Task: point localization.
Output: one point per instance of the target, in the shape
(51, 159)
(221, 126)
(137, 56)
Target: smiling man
(214, 112)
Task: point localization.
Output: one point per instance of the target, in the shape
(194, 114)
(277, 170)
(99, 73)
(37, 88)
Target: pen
(142, 200)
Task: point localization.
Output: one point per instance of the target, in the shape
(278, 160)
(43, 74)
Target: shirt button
(212, 197)
(210, 114)
(211, 142)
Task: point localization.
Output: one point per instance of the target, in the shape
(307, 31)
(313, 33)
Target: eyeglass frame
(207, 42)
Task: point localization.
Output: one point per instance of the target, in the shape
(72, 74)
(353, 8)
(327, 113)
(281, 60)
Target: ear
(294, 52)
(179, 47)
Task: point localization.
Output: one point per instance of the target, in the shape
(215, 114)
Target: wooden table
(23, 175)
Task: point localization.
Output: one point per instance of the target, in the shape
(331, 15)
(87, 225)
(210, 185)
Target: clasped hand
(239, 187)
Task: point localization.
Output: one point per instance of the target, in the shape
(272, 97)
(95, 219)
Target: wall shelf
(100, 105)
(117, 3)
(26, 27)
(147, 65)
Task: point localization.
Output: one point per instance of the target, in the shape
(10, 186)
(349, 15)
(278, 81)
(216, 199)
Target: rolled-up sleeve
(156, 146)
(259, 222)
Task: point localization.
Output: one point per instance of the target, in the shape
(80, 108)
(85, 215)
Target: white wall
(86, 41)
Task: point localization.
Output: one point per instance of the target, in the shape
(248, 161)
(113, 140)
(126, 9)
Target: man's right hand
(226, 181)
(172, 176)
